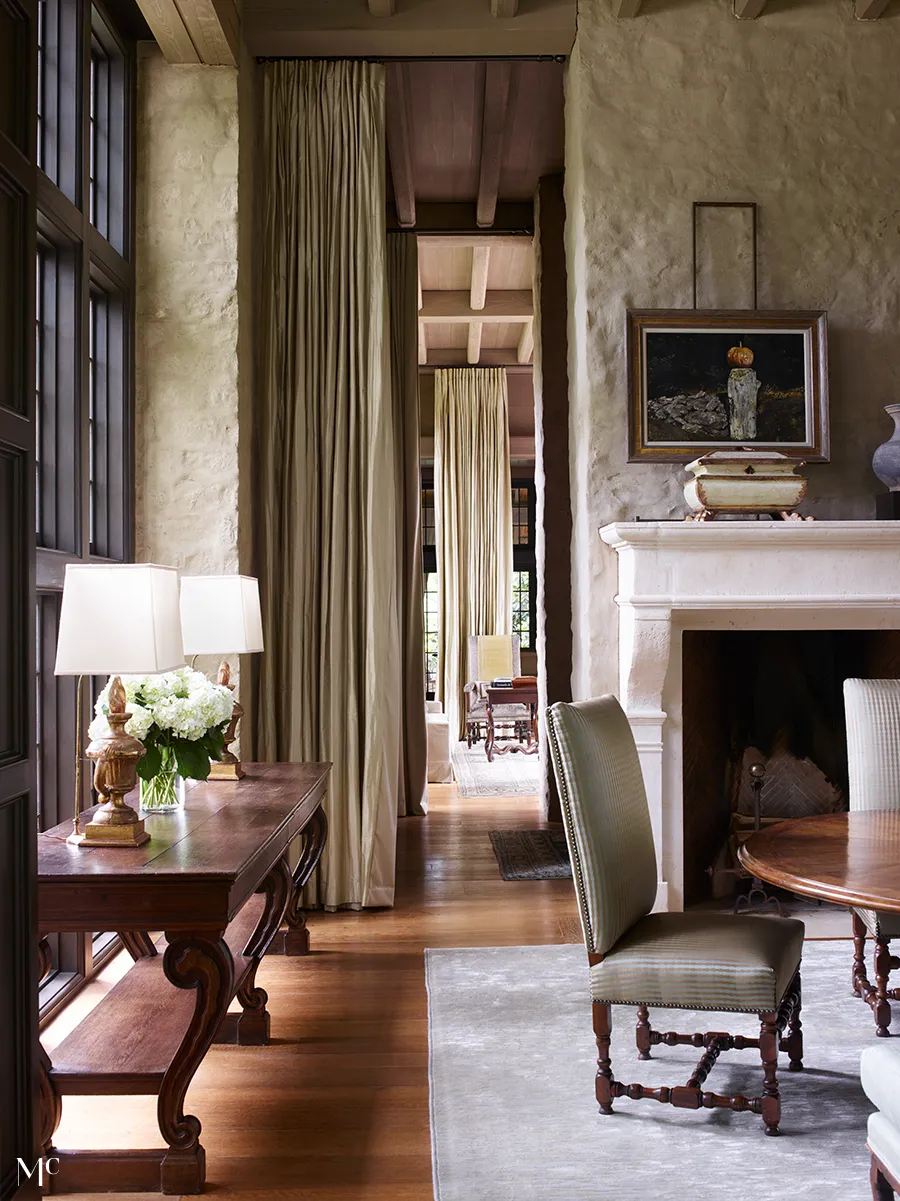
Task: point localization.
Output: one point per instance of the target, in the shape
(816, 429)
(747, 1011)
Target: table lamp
(116, 617)
(220, 615)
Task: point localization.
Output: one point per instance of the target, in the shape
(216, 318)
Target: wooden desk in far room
(215, 878)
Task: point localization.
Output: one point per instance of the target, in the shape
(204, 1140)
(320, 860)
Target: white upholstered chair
(880, 1076)
(873, 760)
(491, 657)
(741, 964)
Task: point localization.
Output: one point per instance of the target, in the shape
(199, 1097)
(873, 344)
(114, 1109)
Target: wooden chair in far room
(873, 760)
(491, 657)
(721, 962)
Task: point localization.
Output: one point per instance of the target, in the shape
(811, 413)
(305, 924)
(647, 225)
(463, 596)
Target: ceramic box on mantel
(744, 481)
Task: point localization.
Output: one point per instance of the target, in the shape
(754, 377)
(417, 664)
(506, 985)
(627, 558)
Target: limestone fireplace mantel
(733, 575)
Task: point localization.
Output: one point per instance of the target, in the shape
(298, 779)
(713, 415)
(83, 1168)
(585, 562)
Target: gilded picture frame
(703, 380)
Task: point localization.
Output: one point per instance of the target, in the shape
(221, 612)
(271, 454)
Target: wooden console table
(215, 878)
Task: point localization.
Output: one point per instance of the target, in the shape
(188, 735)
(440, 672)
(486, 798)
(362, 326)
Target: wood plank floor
(336, 1109)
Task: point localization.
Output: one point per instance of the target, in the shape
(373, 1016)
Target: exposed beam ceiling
(747, 10)
(870, 10)
(473, 346)
(195, 31)
(490, 357)
(489, 240)
(447, 308)
(481, 261)
(525, 348)
(416, 28)
(513, 217)
(398, 143)
(500, 80)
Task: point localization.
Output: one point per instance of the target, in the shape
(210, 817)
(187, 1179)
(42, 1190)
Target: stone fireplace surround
(731, 575)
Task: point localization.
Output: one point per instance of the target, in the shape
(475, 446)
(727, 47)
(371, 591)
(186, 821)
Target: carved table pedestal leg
(295, 939)
(201, 961)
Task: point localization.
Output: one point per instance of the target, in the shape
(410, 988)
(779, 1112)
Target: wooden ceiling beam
(381, 8)
(491, 356)
(500, 78)
(481, 261)
(869, 10)
(455, 241)
(511, 305)
(447, 218)
(473, 346)
(525, 349)
(399, 143)
(504, 8)
(195, 31)
(747, 10)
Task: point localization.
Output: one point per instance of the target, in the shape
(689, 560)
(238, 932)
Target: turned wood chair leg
(768, 1052)
(882, 1004)
(859, 954)
(793, 1043)
(881, 1187)
(642, 1032)
(602, 1030)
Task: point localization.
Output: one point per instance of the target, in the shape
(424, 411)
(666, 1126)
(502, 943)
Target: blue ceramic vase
(886, 459)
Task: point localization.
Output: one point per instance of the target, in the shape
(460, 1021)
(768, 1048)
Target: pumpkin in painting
(740, 356)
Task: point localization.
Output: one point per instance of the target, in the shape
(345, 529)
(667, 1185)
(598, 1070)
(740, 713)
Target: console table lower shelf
(152, 1030)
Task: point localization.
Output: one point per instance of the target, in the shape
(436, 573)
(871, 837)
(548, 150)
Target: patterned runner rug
(532, 854)
(509, 775)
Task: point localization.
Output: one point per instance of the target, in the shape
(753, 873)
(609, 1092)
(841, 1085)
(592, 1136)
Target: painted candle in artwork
(706, 386)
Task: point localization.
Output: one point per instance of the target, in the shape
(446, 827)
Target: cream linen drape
(473, 520)
(403, 293)
(330, 679)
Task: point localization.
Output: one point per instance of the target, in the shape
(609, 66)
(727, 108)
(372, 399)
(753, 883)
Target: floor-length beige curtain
(403, 293)
(473, 521)
(330, 678)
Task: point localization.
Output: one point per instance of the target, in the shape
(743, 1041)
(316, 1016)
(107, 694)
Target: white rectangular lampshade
(220, 615)
(119, 618)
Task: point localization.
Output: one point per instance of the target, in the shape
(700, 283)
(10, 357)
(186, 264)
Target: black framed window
(524, 590)
(429, 566)
(84, 378)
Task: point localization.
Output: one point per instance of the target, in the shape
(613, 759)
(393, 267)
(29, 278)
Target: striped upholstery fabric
(607, 821)
(701, 961)
(873, 757)
(696, 961)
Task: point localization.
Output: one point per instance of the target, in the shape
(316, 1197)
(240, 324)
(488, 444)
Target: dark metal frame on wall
(18, 827)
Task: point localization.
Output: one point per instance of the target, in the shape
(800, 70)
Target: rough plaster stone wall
(187, 316)
(795, 111)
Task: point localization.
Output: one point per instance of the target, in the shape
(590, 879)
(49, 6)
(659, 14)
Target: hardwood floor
(336, 1108)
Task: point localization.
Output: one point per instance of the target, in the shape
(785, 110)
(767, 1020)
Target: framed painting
(711, 380)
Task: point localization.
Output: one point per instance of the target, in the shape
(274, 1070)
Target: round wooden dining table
(852, 859)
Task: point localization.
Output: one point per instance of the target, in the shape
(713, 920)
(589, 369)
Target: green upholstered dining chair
(872, 709)
(739, 964)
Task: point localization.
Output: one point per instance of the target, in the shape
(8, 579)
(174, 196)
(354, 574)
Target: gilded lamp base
(226, 769)
(95, 835)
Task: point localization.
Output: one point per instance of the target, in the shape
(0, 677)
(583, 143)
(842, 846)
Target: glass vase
(165, 792)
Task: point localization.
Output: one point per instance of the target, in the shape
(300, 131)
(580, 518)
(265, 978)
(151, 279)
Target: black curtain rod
(410, 58)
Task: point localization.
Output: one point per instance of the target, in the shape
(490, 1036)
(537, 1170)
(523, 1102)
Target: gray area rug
(532, 854)
(509, 775)
(513, 1114)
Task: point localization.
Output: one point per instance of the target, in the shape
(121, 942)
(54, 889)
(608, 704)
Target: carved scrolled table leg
(201, 961)
(250, 1028)
(50, 1100)
(295, 940)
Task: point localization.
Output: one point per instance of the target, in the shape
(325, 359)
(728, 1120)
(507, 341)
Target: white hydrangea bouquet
(181, 718)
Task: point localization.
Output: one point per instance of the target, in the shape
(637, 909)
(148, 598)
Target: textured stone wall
(795, 111)
(187, 316)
